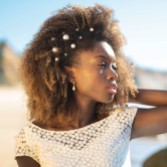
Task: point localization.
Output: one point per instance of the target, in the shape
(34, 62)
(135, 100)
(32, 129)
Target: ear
(70, 73)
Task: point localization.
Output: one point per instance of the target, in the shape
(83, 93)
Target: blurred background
(144, 25)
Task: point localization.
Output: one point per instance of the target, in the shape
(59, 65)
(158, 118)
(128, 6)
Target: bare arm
(151, 97)
(25, 161)
(150, 121)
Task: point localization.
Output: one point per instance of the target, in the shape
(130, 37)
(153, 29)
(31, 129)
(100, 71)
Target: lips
(112, 88)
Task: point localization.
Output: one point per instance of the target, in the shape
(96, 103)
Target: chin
(111, 99)
(108, 100)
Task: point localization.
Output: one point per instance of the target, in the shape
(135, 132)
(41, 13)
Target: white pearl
(77, 29)
(80, 37)
(55, 49)
(56, 59)
(73, 45)
(66, 37)
(53, 39)
(91, 29)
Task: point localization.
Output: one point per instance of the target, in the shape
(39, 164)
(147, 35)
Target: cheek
(102, 74)
(101, 71)
(90, 80)
(94, 82)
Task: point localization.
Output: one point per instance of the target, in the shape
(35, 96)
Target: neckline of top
(72, 130)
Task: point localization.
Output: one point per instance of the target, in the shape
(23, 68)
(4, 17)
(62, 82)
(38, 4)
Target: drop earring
(73, 86)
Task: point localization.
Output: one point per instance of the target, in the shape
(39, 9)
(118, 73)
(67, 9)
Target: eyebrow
(105, 57)
(101, 56)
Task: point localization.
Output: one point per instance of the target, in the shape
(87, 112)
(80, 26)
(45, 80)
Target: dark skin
(26, 161)
(147, 122)
(153, 121)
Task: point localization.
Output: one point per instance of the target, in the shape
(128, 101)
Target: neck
(85, 115)
(85, 112)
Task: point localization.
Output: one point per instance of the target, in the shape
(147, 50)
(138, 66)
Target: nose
(112, 73)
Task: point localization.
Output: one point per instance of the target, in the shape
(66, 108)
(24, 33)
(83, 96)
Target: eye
(103, 64)
(114, 67)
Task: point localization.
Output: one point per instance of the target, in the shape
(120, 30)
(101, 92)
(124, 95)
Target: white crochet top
(101, 144)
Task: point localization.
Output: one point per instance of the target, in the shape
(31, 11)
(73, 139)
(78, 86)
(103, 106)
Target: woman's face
(96, 74)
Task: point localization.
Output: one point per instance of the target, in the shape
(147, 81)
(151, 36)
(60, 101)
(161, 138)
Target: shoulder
(123, 117)
(128, 112)
(24, 143)
(23, 132)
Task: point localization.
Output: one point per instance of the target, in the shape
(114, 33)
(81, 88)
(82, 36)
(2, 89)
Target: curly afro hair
(48, 90)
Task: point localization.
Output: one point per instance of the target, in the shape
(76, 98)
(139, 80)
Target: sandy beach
(12, 118)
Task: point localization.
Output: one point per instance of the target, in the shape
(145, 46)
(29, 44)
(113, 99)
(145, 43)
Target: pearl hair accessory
(66, 37)
(73, 46)
(56, 59)
(53, 39)
(77, 29)
(55, 49)
(80, 37)
(91, 29)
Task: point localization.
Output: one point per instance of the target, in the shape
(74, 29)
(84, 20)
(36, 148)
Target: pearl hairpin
(73, 45)
(77, 29)
(80, 37)
(53, 39)
(66, 37)
(55, 49)
(56, 59)
(91, 29)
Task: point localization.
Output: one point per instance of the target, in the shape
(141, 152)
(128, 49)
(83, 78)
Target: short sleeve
(23, 148)
(131, 114)
(125, 119)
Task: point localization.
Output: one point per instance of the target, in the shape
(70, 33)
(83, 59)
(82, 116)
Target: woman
(78, 84)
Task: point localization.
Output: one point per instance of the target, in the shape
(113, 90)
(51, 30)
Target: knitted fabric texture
(101, 144)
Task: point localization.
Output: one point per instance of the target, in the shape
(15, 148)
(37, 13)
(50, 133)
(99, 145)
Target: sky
(143, 23)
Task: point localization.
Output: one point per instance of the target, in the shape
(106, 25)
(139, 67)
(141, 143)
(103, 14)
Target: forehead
(100, 49)
(103, 48)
